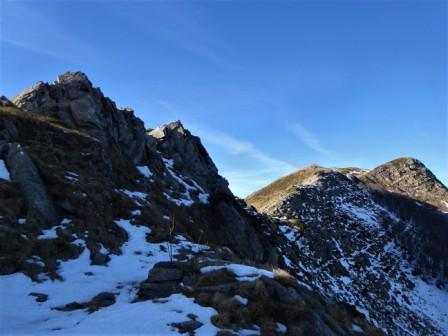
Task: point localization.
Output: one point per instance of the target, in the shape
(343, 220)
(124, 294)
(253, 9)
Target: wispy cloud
(244, 182)
(238, 147)
(307, 137)
(30, 29)
(263, 169)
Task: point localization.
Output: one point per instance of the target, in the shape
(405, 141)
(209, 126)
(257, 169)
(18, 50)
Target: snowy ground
(21, 314)
(425, 300)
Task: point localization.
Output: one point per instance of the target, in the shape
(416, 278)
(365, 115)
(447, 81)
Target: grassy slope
(269, 196)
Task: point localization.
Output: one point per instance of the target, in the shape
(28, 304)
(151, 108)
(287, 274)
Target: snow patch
(138, 196)
(145, 171)
(71, 176)
(136, 212)
(189, 185)
(241, 299)
(4, 173)
(51, 233)
(281, 328)
(242, 272)
(357, 328)
(362, 214)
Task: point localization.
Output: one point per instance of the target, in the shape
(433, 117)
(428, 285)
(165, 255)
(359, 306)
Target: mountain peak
(405, 161)
(409, 177)
(73, 101)
(189, 155)
(73, 76)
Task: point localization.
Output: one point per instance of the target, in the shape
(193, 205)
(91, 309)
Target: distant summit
(410, 177)
(376, 238)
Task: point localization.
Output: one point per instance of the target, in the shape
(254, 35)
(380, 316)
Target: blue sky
(269, 86)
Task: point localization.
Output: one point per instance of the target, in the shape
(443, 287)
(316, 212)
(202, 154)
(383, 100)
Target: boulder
(151, 291)
(165, 274)
(40, 297)
(99, 258)
(103, 299)
(24, 172)
(70, 306)
(187, 326)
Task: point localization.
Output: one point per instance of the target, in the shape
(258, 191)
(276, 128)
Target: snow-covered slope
(31, 307)
(345, 243)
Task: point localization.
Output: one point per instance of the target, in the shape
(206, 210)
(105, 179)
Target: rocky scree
(369, 249)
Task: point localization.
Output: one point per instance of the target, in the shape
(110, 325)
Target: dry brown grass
(93, 203)
(36, 120)
(266, 198)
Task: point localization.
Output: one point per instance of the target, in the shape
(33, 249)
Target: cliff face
(104, 226)
(377, 245)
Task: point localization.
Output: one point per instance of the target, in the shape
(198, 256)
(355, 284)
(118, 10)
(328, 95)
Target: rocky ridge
(90, 203)
(379, 250)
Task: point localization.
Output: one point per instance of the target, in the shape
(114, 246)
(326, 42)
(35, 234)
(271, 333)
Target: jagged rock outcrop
(78, 105)
(189, 156)
(225, 221)
(409, 177)
(373, 249)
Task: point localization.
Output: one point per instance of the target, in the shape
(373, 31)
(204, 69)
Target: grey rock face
(24, 172)
(73, 100)
(190, 157)
(243, 237)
